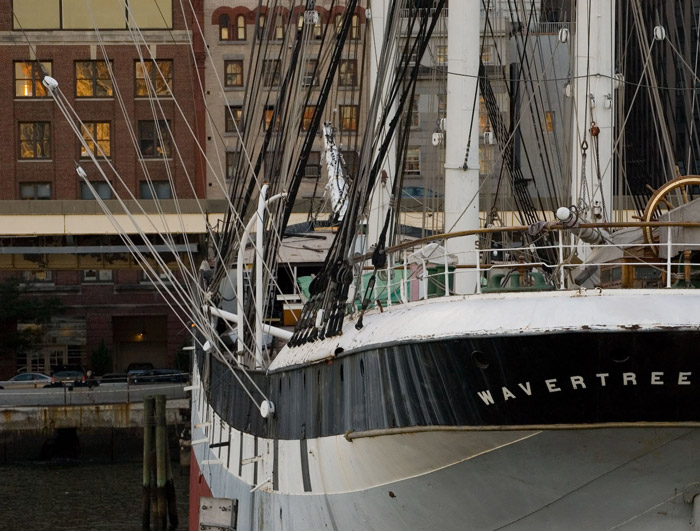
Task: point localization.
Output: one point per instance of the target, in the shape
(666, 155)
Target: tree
(16, 305)
(101, 361)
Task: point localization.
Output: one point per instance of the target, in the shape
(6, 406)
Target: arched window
(279, 27)
(224, 30)
(355, 28)
(318, 30)
(338, 23)
(240, 28)
(260, 30)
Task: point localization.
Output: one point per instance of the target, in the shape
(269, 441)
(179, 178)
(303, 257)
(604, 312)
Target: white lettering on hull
(552, 385)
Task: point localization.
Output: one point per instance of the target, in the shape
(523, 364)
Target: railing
(408, 276)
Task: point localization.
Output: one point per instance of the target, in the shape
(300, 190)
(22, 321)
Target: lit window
(224, 29)
(233, 73)
(260, 29)
(98, 139)
(28, 76)
(154, 139)
(102, 188)
(271, 72)
(548, 122)
(355, 28)
(154, 78)
(234, 117)
(267, 118)
(155, 189)
(35, 191)
(338, 23)
(348, 117)
(29, 277)
(307, 117)
(347, 73)
(92, 80)
(240, 28)
(318, 30)
(412, 162)
(34, 140)
(441, 55)
(279, 27)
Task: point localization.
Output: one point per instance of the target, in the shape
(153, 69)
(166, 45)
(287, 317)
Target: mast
(594, 90)
(462, 137)
(381, 195)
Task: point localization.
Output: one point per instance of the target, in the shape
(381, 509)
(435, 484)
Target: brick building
(55, 237)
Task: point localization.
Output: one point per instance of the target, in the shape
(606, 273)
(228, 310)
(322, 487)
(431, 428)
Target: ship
(491, 375)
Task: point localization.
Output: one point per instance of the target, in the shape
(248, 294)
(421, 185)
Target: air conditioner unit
(488, 138)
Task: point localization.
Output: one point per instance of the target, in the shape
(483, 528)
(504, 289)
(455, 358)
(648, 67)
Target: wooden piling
(148, 410)
(161, 445)
(170, 489)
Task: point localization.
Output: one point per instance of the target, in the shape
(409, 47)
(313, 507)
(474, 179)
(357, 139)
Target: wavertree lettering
(577, 382)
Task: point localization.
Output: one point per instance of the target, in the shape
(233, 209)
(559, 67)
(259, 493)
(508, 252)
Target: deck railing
(405, 279)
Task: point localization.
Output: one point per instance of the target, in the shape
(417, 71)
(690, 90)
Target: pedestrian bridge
(104, 406)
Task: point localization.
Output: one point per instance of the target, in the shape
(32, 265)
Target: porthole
(480, 359)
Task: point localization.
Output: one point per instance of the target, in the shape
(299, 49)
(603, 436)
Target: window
(279, 27)
(548, 125)
(271, 72)
(102, 188)
(92, 80)
(415, 117)
(348, 117)
(338, 23)
(300, 22)
(232, 158)
(98, 139)
(260, 29)
(442, 105)
(28, 76)
(307, 117)
(267, 118)
(224, 29)
(161, 189)
(160, 75)
(355, 28)
(313, 165)
(318, 30)
(233, 73)
(30, 277)
(35, 191)
(488, 54)
(239, 34)
(310, 75)
(412, 161)
(97, 275)
(34, 140)
(234, 113)
(441, 55)
(347, 73)
(154, 139)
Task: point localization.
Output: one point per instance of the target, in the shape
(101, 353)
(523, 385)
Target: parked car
(27, 380)
(160, 375)
(113, 378)
(138, 368)
(66, 378)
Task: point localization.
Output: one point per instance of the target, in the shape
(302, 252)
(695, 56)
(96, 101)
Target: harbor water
(78, 496)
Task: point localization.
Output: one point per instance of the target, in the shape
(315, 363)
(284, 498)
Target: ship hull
(570, 420)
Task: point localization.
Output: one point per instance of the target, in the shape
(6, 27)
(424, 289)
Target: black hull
(563, 379)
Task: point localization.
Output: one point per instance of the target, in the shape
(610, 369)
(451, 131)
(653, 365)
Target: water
(78, 497)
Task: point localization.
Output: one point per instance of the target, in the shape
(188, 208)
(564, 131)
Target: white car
(27, 380)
